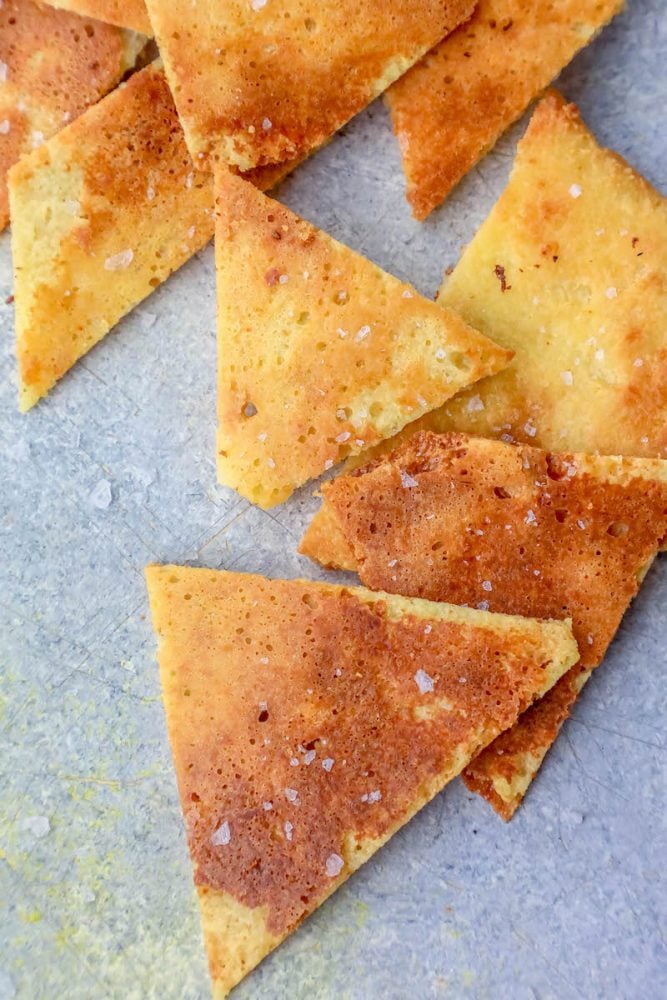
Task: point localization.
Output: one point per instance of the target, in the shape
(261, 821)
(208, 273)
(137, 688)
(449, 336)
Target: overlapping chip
(512, 528)
(321, 354)
(53, 65)
(308, 722)
(451, 108)
(126, 13)
(258, 82)
(102, 214)
(570, 272)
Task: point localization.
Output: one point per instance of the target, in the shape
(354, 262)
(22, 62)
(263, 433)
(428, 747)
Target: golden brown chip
(53, 65)
(102, 214)
(321, 353)
(452, 107)
(308, 722)
(126, 13)
(511, 528)
(570, 272)
(261, 82)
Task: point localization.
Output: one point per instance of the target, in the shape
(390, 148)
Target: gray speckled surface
(116, 469)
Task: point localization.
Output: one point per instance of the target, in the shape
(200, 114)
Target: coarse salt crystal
(341, 332)
(150, 193)
(487, 585)
(309, 757)
(345, 436)
(362, 333)
(589, 639)
(638, 362)
(407, 294)
(292, 795)
(428, 629)
(294, 761)
(530, 429)
(530, 518)
(483, 606)
(392, 563)
(423, 681)
(599, 354)
(257, 4)
(407, 481)
(5, 126)
(575, 191)
(567, 377)
(222, 836)
(581, 524)
(441, 354)
(375, 796)
(4, 69)
(267, 806)
(267, 124)
(271, 463)
(327, 763)
(328, 464)
(334, 865)
(264, 660)
(611, 293)
(119, 261)
(262, 437)
(289, 830)
(475, 405)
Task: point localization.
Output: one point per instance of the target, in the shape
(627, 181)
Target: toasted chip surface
(452, 107)
(53, 65)
(126, 13)
(511, 528)
(570, 272)
(321, 353)
(103, 213)
(308, 722)
(257, 82)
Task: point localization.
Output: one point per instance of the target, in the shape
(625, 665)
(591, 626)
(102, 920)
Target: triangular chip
(511, 528)
(260, 82)
(101, 215)
(126, 13)
(308, 722)
(569, 271)
(53, 65)
(451, 108)
(321, 353)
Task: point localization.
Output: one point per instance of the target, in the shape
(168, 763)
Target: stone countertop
(116, 469)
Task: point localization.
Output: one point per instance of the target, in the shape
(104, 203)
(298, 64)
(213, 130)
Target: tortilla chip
(258, 82)
(308, 722)
(126, 13)
(102, 214)
(511, 528)
(321, 354)
(53, 66)
(570, 272)
(450, 109)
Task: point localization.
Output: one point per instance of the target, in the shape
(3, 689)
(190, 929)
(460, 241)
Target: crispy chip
(570, 272)
(321, 353)
(511, 528)
(53, 65)
(308, 722)
(257, 82)
(102, 214)
(451, 108)
(126, 13)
